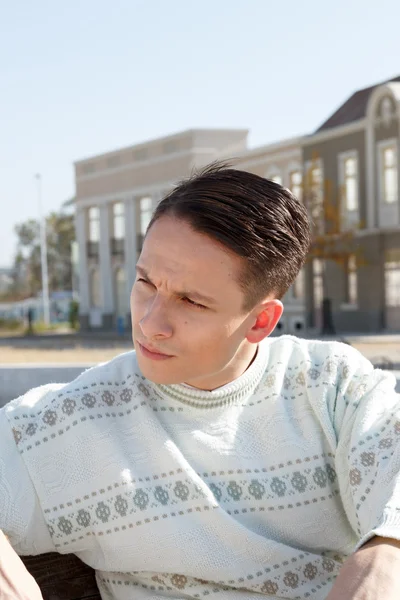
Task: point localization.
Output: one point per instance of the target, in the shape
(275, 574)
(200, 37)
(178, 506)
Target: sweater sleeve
(21, 517)
(366, 419)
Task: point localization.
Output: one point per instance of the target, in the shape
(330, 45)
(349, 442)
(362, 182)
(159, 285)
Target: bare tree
(60, 234)
(334, 237)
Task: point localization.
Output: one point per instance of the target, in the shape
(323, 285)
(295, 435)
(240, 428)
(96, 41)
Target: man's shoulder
(52, 410)
(289, 351)
(312, 347)
(114, 372)
(121, 370)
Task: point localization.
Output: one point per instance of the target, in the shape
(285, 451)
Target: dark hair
(257, 219)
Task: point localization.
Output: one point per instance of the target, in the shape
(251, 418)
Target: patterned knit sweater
(262, 487)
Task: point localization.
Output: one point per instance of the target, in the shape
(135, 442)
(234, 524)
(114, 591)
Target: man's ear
(267, 317)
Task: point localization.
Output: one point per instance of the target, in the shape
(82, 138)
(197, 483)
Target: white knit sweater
(261, 487)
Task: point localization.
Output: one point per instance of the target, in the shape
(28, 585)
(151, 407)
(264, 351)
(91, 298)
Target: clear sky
(81, 77)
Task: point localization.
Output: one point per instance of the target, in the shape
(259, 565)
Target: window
(146, 211)
(350, 183)
(386, 111)
(316, 183)
(389, 173)
(318, 282)
(273, 173)
(351, 294)
(94, 224)
(296, 184)
(298, 287)
(119, 220)
(315, 196)
(392, 282)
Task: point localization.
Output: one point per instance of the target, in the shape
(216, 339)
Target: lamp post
(43, 254)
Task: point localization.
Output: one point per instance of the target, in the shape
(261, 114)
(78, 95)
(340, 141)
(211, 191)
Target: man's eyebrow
(193, 295)
(197, 296)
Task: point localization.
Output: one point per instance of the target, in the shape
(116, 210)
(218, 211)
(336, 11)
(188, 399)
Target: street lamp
(43, 254)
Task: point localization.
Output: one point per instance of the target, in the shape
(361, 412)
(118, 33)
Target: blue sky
(88, 76)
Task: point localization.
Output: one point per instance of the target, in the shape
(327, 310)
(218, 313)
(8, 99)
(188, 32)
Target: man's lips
(150, 352)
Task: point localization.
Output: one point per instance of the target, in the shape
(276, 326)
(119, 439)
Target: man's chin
(157, 373)
(160, 379)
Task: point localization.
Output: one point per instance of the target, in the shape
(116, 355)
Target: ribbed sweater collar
(231, 393)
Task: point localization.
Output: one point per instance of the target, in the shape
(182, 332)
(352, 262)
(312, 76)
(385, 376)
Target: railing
(117, 247)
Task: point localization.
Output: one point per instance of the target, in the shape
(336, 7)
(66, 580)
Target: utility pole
(43, 254)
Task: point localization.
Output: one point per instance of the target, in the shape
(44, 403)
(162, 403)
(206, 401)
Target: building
(352, 160)
(282, 162)
(354, 157)
(117, 192)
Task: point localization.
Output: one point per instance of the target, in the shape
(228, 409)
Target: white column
(130, 249)
(80, 228)
(106, 276)
(156, 197)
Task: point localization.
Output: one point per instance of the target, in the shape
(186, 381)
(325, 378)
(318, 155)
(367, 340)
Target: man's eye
(145, 282)
(193, 303)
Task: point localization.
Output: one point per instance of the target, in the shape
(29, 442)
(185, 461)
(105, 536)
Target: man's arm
(371, 573)
(365, 414)
(15, 581)
(21, 514)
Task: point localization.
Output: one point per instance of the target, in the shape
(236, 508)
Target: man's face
(187, 306)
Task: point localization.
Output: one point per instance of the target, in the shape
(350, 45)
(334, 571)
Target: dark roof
(353, 109)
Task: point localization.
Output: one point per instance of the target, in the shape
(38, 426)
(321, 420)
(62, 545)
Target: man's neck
(238, 365)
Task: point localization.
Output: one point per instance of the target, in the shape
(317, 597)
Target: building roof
(353, 109)
(166, 138)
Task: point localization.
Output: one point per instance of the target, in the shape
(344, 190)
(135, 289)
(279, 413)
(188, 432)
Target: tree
(333, 236)
(60, 233)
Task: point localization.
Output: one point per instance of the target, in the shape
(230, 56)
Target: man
(214, 461)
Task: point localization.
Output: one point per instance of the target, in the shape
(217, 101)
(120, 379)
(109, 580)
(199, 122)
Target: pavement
(27, 361)
(382, 349)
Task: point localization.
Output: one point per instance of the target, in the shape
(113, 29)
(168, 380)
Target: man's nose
(155, 324)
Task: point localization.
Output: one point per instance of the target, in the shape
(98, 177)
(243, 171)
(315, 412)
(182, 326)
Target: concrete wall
(18, 379)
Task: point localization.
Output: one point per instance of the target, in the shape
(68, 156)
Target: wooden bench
(62, 577)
